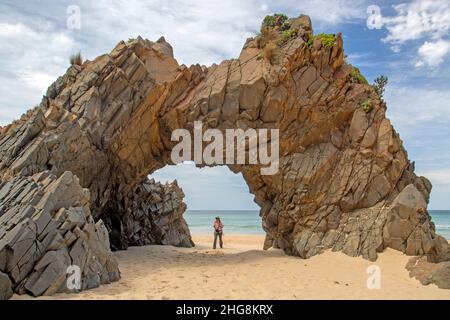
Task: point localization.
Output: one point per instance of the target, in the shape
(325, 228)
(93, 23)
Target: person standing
(218, 231)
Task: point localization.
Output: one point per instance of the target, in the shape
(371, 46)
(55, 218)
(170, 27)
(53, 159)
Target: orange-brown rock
(345, 182)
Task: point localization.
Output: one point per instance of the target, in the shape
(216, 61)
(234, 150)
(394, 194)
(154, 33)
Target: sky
(408, 41)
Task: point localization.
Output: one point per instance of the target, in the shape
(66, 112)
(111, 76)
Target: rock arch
(345, 182)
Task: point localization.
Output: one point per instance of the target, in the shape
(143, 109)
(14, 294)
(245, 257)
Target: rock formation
(153, 215)
(45, 227)
(345, 182)
(427, 272)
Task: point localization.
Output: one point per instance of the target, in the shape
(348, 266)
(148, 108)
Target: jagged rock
(344, 182)
(6, 291)
(409, 227)
(38, 216)
(427, 272)
(153, 216)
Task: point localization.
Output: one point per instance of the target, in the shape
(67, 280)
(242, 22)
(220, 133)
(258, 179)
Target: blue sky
(411, 46)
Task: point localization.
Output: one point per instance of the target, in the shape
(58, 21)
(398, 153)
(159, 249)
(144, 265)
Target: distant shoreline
(240, 222)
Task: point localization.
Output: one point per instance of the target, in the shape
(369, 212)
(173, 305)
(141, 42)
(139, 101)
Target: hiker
(218, 230)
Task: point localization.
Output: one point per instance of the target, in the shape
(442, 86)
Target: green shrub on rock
(380, 85)
(287, 35)
(327, 39)
(277, 20)
(310, 41)
(357, 77)
(366, 105)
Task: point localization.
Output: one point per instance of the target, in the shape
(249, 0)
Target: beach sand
(242, 270)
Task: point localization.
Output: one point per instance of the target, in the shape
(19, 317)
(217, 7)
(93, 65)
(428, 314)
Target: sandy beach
(242, 270)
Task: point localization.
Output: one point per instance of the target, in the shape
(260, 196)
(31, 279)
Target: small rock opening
(210, 192)
(159, 209)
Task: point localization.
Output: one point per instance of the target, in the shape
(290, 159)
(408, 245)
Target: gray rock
(6, 291)
(39, 245)
(427, 272)
(153, 216)
(344, 182)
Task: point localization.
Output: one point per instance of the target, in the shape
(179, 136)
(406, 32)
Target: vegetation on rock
(326, 39)
(366, 105)
(380, 85)
(310, 41)
(76, 59)
(268, 51)
(357, 77)
(99, 142)
(287, 35)
(276, 20)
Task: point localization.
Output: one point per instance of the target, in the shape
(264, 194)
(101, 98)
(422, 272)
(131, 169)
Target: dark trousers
(218, 234)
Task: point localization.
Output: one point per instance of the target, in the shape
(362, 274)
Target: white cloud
(418, 20)
(421, 115)
(10, 31)
(440, 179)
(36, 79)
(410, 107)
(439, 176)
(209, 188)
(325, 12)
(36, 44)
(30, 60)
(433, 53)
(396, 48)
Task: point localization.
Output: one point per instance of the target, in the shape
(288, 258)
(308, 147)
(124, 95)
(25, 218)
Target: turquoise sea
(237, 221)
(441, 219)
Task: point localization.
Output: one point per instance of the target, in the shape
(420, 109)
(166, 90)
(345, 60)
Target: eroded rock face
(45, 227)
(5, 287)
(154, 215)
(427, 272)
(345, 181)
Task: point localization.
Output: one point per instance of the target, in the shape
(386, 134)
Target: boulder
(46, 227)
(153, 216)
(408, 227)
(6, 291)
(430, 273)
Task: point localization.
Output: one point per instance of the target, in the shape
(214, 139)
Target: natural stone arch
(345, 182)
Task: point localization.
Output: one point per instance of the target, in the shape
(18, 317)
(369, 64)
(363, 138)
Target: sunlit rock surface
(345, 182)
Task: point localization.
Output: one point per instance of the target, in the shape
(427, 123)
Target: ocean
(441, 219)
(249, 222)
(238, 221)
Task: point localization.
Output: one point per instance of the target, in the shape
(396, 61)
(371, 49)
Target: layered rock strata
(344, 182)
(46, 228)
(154, 215)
